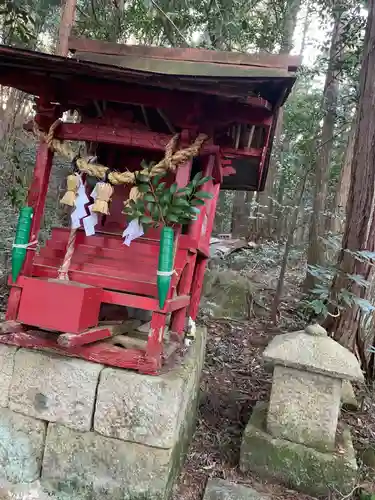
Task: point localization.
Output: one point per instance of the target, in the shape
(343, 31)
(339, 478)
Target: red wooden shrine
(130, 101)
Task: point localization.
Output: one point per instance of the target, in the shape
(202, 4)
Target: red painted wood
(90, 278)
(178, 317)
(115, 241)
(36, 199)
(99, 352)
(129, 300)
(109, 269)
(59, 305)
(195, 227)
(206, 231)
(10, 327)
(57, 251)
(196, 289)
(13, 303)
(264, 154)
(155, 340)
(146, 303)
(217, 169)
(177, 302)
(122, 136)
(87, 337)
(177, 104)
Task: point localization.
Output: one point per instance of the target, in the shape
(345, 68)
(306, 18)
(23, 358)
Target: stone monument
(297, 437)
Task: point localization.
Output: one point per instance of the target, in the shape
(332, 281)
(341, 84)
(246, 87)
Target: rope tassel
(104, 191)
(73, 183)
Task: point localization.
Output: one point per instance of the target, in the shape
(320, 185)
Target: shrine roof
(230, 75)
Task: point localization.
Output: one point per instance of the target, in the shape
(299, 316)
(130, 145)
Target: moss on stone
(227, 293)
(296, 465)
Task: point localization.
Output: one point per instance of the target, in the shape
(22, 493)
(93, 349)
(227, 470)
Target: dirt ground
(233, 381)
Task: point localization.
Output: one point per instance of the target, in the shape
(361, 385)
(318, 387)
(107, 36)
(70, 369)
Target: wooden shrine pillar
(36, 199)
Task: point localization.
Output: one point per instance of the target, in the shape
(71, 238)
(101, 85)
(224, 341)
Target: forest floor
(234, 380)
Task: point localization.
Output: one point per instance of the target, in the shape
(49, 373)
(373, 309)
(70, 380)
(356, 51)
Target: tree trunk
(240, 217)
(315, 253)
(342, 191)
(288, 245)
(68, 10)
(360, 228)
(265, 197)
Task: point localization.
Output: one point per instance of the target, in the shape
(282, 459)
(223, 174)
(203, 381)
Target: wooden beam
(100, 352)
(186, 54)
(102, 332)
(121, 136)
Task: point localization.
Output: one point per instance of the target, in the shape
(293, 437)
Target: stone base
(296, 465)
(218, 489)
(108, 434)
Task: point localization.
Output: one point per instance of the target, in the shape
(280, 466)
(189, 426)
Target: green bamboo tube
(22, 238)
(165, 266)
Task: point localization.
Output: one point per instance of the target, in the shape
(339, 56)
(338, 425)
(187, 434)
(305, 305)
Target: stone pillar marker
(307, 384)
(294, 437)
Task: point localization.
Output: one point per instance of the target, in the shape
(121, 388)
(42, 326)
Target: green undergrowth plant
(321, 301)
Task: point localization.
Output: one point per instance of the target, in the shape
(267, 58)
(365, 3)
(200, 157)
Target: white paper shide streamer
(79, 212)
(91, 220)
(133, 230)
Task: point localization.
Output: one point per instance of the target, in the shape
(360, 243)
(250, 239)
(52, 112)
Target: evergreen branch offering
(167, 205)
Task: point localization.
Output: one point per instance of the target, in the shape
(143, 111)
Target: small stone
(307, 352)
(304, 407)
(22, 444)
(7, 354)
(348, 399)
(316, 330)
(368, 456)
(54, 388)
(217, 489)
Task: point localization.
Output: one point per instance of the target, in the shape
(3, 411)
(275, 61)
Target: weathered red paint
(64, 306)
(103, 270)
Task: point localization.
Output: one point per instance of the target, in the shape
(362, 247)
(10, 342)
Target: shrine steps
(105, 261)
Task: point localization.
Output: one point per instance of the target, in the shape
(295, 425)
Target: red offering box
(64, 306)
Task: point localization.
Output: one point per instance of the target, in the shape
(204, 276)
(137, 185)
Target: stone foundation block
(148, 410)
(93, 466)
(23, 491)
(218, 489)
(87, 466)
(54, 388)
(22, 444)
(348, 398)
(7, 354)
(297, 465)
